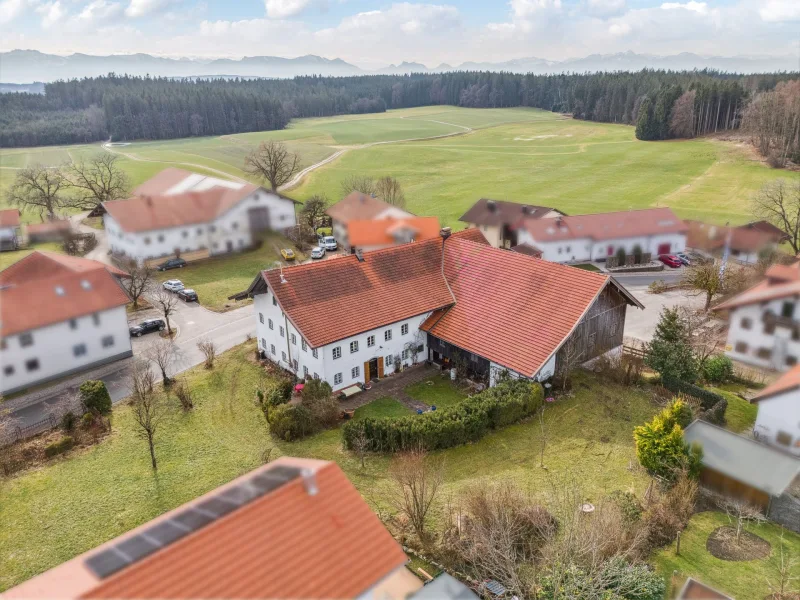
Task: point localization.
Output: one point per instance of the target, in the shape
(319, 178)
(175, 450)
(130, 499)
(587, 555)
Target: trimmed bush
(68, 421)
(290, 422)
(718, 369)
(95, 398)
(706, 397)
(59, 447)
(660, 446)
(468, 421)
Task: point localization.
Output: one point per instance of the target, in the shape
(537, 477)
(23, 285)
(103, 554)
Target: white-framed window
(107, 341)
(303, 345)
(387, 335)
(270, 323)
(316, 376)
(305, 371)
(355, 372)
(294, 340)
(283, 356)
(282, 332)
(337, 379)
(73, 323)
(32, 364)
(294, 364)
(8, 370)
(370, 341)
(274, 301)
(26, 339)
(79, 349)
(337, 352)
(161, 237)
(405, 354)
(388, 360)
(96, 319)
(353, 346)
(261, 318)
(272, 348)
(264, 343)
(404, 329)
(314, 353)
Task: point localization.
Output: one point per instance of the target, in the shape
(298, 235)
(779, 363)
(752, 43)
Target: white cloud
(10, 10)
(529, 8)
(698, 7)
(281, 9)
(777, 11)
(141, 8)
(95, 13)
(605, 7)
(411, 19)
(52, 13)
(619, 29)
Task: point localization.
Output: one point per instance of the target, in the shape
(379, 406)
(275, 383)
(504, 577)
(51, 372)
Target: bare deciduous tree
(740, 513)
(139, 282)
(96, 180)
(148, 405)
(209, 350)
(272, 162)
(778, 202)
(360, 444)
(314, 209)
(39, 188)
(163, 352)
(166, 303)
(417, 479)
(358, 183)
(681, 124)
(706, 279)
(787, 570)
(390, 191)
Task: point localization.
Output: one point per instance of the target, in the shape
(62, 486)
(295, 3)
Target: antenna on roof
(280, 266)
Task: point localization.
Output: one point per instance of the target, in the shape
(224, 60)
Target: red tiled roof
(605, 226)
(29, 300)
(511, 309)
(379, 232)
(285, 544)
(332, 300)
(497, 212)
(705, 236)
(357, 206)
(781, 281)
(9, 217)
(788, 381)
(146, 213)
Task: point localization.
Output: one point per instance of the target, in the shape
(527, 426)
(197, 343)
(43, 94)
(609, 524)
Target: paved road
(193, 322)
(645, 279)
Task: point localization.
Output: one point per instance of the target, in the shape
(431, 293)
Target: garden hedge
(708, 399)
(468, 421)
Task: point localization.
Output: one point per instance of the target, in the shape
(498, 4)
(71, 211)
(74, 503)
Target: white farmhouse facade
(499, 220)
(778, 420)
(450, 300)
(178, 212)
(764, 321)
(60, 315)
(596, 237)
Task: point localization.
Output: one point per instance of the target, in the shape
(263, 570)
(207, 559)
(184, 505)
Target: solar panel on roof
(132, 549)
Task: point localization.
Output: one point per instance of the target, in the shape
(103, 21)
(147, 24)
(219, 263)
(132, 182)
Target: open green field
(86, 497)
(743, 580)
(527, 155)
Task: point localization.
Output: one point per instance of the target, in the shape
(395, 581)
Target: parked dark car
(670, 260)
(172, 263)
(147, 326)
(188, 295)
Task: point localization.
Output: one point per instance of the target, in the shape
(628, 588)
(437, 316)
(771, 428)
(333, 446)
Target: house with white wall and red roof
(9, 229)
(448, 299)
(778, 419)
(59, 315)
(181, 212)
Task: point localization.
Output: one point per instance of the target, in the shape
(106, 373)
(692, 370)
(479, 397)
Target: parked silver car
(173, 285)
(317, 252)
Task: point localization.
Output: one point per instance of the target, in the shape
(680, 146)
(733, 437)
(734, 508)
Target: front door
(373, 369)
(664, 248)
(229, 245)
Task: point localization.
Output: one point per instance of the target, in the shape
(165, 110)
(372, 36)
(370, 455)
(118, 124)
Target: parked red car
(670, 260)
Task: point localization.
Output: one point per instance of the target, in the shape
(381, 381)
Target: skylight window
(85, 284)
(60, 291)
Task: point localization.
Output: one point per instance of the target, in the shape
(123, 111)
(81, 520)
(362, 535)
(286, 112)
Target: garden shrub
(59, 447)
(315, 389)
(95, 397)
(325, 411)
(290, 422)
(707, 398)
(465, 422)
(716, 414)
(660, 446)
(68, 421)
(628, 504)
(620, 254)
(633, 581)
(637, 254)
(718, 369)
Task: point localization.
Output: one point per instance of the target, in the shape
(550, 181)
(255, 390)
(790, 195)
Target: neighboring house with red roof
(375, 234)
(499, 221)
(49, 231)
(778, 420)
(446, 299)
(358, 207)
(59, 315)
(293, 528)
(9, 229)
(764, 321)
(595, 237)
(746, 242)
(179, 211)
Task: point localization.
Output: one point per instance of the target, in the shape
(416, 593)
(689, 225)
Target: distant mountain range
(27, 66)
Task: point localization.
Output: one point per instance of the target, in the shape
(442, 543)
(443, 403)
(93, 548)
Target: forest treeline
(129, 108)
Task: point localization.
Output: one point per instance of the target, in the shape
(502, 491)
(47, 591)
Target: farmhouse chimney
(491, 205)
(310, 482)
(359, 255)
(444, 232)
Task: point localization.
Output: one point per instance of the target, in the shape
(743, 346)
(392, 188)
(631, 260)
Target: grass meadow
(521, 154)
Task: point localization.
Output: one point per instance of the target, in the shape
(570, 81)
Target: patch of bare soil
(723, 545)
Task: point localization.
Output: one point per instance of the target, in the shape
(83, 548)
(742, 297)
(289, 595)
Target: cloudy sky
(371, 33)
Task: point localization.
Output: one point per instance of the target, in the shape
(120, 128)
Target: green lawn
(214, 279)
(522, 154)
(89, 496)
(740, 416)
(382, 407)
(438, 391)
(587, 267)
(743, 580)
